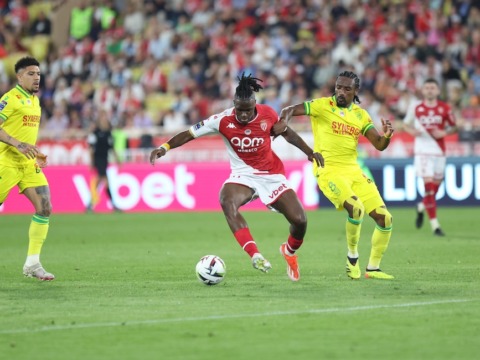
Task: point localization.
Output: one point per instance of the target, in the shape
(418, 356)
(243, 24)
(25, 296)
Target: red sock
(435, 187)
(293, 244)
(245, 239)
(429, 200)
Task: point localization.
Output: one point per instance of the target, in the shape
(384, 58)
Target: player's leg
(40, 198)
(232, 197)
(424, 168)
(353, 226)
(337, 187)
(439, 164)
(374, 206)
(290, 206)
(35, 187)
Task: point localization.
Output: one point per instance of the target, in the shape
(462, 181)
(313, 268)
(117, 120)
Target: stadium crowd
(157, 66)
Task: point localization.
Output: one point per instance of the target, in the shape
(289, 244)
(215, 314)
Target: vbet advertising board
(195, 186)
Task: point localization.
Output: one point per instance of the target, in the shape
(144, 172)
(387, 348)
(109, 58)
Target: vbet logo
(184, 187)
(157, 190)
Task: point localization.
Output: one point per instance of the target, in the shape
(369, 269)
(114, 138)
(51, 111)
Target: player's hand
(29, 150)
(279, 128)
(156, 154)
(41, 160)
(387, 128)
(318, 158)
(438, 134)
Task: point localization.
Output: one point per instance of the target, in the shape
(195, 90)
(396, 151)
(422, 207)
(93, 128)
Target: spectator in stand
(58, 124)
(41, 25)
(81, 20)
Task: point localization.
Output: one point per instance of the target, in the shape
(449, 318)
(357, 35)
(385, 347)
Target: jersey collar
(335, 99)
(25, 93)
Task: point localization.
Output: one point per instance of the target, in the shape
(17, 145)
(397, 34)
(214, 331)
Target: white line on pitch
(226, 317)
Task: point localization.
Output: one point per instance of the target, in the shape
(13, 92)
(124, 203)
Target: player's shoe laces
(37, 271)
(353, 271)
(419, 219)
(377, 274)
(438, 232)
(293, 271)
(260, 263)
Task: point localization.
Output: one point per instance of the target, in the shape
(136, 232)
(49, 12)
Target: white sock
(352, 255)
(32, 260)
(420, 207)
(435, 224)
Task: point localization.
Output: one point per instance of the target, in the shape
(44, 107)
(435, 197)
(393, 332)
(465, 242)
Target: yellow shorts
(25, 177)
(340, 184)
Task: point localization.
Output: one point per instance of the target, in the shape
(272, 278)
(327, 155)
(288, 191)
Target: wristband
(165, 146)
(387, 137)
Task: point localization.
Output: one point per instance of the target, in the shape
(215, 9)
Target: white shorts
(428, 166)
(267, 187)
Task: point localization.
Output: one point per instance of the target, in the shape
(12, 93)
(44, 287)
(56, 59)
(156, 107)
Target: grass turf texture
(126, 289)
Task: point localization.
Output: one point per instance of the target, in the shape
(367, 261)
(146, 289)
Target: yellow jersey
(336, 130)
(20, 114)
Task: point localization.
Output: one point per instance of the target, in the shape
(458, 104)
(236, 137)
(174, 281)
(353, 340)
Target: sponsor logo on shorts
(333, 188)
(278, 191)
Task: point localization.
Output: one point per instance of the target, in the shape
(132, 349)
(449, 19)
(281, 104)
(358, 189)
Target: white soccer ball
(211, 270)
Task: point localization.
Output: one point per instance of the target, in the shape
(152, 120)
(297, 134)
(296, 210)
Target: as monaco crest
(263, 125)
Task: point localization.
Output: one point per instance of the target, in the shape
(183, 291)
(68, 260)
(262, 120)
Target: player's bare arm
(176, 141)
(285, 117)
(439, 134)
(29, 150)
(380, 142)
(293, 138)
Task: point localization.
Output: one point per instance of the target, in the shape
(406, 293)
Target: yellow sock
(37, 234)
(353, 228)
(380, 239)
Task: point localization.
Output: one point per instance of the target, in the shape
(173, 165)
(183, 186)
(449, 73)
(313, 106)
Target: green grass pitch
(126, 289)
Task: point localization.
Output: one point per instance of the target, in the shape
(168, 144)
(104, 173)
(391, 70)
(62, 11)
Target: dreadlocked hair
(352, 75)
(246, 86)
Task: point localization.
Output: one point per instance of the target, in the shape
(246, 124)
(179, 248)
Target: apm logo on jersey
(246, 144)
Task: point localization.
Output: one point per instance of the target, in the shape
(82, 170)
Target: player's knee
(45, 211)
(300, 220)
(385, 216)
(357, 210)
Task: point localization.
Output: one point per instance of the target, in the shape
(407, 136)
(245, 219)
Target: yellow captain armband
(165, 146)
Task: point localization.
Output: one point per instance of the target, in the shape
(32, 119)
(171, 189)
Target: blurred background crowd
(157, 66)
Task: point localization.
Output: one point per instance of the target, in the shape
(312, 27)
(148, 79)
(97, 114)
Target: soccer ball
(211, 270)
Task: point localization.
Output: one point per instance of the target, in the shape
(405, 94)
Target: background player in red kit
(430, 121)
(256, 171)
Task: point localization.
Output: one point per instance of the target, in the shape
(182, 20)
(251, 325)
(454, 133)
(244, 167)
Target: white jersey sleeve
(208, 126)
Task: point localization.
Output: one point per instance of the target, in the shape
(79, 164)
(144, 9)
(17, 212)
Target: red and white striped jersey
(427, 119)
(249, 146)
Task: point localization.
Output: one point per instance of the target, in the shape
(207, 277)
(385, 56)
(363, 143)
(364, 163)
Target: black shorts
(101, 166)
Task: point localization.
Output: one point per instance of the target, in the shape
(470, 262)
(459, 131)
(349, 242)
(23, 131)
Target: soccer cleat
(260, 263)
(419, 220)
(37, 271)
(438, 232)
(293, 271)
(377, 274)
(353, 271)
